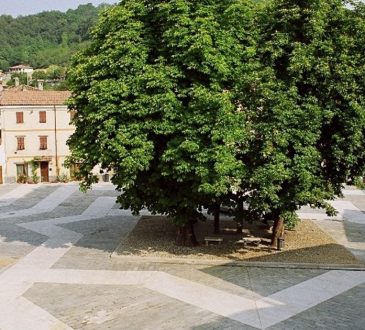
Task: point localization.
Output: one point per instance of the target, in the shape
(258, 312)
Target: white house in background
(21, 68)
(35, 126)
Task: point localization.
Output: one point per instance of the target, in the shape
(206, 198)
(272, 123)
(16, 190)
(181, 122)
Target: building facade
(21, 69)
(35, 126)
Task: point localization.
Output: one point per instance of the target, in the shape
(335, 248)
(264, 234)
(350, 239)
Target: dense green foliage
(46, 38)
(161, 113)
(23, 79)
(308, 109)
(195, 104)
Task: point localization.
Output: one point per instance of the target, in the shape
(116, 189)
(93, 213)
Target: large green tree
(194, 104)
(306, 108)
(155, 102)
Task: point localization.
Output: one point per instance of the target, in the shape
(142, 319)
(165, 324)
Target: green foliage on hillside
(46, 38)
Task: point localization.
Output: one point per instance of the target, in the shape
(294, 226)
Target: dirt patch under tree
(154, 236)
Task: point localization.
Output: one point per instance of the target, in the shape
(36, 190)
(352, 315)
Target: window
(43, 142)
(20, 143)
(42, 117)
(21, 170)
(19, 118)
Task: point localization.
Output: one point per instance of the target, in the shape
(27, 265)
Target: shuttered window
(43, 142)
(21, 170)
(19, 118)
(20, 143)
(42, 117)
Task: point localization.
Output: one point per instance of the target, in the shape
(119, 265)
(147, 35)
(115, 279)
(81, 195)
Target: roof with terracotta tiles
(17, 96)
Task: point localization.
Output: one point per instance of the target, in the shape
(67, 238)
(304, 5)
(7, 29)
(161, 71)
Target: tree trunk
(277, 232)
(185, 235)
(181, 235)
(239, 229)
(193, 239)
(239, 217)
(217, 219)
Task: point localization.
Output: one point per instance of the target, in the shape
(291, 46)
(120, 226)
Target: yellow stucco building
(35, 126)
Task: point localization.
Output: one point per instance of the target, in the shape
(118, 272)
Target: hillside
(46, 38)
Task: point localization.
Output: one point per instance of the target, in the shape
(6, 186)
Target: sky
(28, 7)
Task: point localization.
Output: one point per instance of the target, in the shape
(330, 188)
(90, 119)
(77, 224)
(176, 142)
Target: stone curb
(228, 263)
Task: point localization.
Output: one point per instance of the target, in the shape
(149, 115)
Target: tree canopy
(197, 104)
(307, 110)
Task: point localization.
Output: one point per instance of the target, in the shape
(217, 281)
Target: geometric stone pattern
(348, 226)
(39, 268)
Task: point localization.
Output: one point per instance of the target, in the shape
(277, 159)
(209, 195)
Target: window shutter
(42, 117)
(43, 142)
(20, 143)
(19, 118)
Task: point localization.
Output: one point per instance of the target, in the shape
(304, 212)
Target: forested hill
(46, 38)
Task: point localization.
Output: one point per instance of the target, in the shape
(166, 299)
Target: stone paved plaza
(57, 271)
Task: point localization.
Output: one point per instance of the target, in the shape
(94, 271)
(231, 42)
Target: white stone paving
(48, 204)
(334, 226)
(16, 280)
(103, 187)
(16, 312)
(30, 316)
(17, 193)
(346, 211)
(353, 192)
(298, 298)
(100, 207)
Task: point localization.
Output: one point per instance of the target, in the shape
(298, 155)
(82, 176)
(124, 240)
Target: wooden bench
(218, 240)
(249, 240)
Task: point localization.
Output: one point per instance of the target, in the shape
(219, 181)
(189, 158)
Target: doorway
(44, 172)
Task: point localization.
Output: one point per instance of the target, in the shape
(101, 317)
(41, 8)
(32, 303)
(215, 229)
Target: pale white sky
(27, 7)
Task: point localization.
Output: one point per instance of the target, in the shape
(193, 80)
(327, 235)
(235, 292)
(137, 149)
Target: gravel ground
(154, 236)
